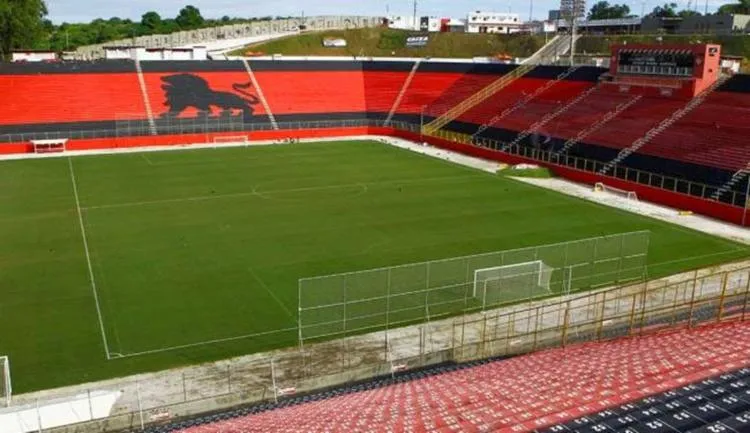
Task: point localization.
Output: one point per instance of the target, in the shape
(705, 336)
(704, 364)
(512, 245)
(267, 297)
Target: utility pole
(531, 10)
(416, 25)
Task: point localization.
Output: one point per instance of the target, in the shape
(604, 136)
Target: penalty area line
(86, 250)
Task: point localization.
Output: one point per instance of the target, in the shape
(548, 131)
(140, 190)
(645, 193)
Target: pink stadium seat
(521, 393)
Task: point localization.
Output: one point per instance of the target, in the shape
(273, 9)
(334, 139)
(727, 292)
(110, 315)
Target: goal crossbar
(498, 284)
(602, 187)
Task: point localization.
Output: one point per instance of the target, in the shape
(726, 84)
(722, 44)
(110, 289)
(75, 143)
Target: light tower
(571, 11)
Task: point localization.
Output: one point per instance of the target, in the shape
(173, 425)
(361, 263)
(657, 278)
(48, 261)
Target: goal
(233, 139)
(5, 386)
(630, 195)
(509, 283)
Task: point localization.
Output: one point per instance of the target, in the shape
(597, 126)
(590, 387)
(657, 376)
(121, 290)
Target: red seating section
(300, 92)
(428, 87)
(52, 98)
(382, 89)
(634, 122)
(590, 110)
(714, 134)
(522, 393)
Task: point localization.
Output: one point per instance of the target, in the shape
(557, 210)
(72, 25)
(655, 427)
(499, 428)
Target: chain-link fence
(335, 305)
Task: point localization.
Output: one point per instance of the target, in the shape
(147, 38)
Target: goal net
(233, 139)
(501, 284)
(5, 386)
(601, 187)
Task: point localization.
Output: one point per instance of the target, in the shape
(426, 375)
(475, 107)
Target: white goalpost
(5, 386)
(601, 187)
(499, 284)
(232, 139)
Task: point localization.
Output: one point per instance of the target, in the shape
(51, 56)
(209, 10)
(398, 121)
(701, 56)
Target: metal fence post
(38, 416)
(140, 403)
(184, 388)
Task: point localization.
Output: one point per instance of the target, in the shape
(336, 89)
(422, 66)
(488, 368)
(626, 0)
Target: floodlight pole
(421, 122)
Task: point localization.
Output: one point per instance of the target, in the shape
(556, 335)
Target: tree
(604, 11)
(668, 10)
(189, 18)
(21, 24)
(741, 8)
(151, 22)
(688, 13)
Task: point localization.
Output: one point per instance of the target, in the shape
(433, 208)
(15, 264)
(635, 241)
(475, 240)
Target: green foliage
(740, 8)
(190, 18)
(667, 10)
(22, 24)
(604, 11)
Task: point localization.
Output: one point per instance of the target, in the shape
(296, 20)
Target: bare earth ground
(263, 376)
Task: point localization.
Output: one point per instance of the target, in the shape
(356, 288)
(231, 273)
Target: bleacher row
(685, 379)
(713, 136)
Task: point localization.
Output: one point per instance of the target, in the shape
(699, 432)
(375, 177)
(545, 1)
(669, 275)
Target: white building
(404, 22)
(33, 56)
(493, 22)
(143, 53)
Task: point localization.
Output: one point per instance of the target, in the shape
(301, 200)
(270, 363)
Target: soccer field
(194, 246)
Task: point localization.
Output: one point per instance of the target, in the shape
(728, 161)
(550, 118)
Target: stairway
(523, 101)
(146, 101)
(262, 98)
(736, 178)
(664, 124)
(549, 53)
(401, 94)
(477, 98)
(546, 119)
(598, 124)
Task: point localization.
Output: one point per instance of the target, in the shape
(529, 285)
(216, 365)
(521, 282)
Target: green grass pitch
(197, 245)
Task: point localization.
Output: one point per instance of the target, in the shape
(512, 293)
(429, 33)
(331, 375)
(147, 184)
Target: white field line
(261, 194)
(263, 284)
(205, 343)
(88, 257)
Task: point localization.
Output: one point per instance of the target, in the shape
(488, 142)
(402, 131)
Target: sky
(87, 10)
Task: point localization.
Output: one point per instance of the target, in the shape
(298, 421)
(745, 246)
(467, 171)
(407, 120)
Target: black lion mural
(187, 90)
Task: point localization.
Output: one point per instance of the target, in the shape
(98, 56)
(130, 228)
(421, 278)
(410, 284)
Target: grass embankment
(380, 42)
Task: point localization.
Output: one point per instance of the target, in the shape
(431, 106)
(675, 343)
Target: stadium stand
(656, 380)
(707, 146)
